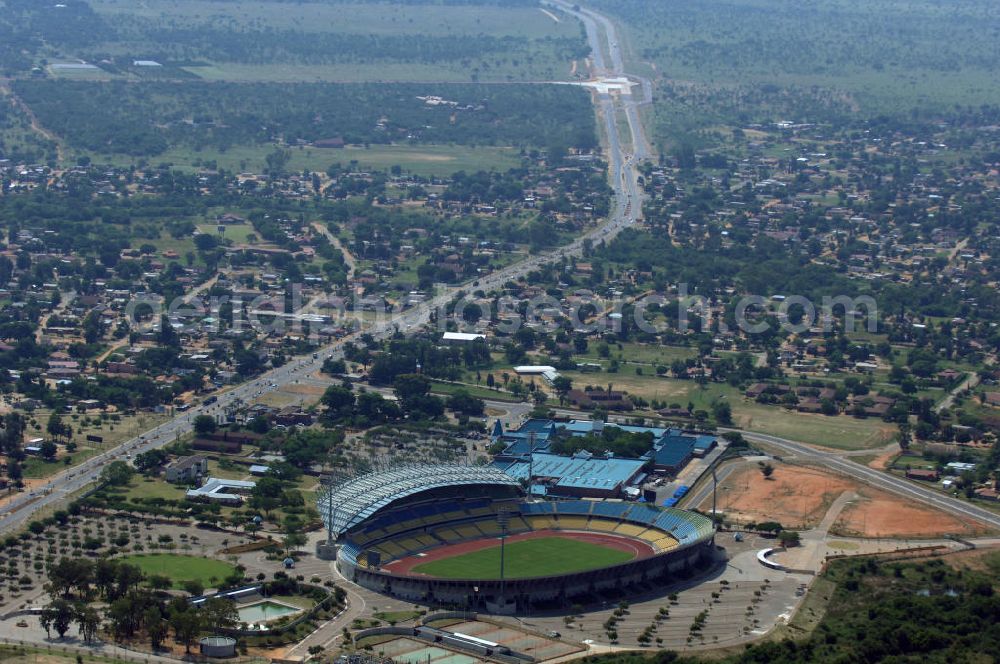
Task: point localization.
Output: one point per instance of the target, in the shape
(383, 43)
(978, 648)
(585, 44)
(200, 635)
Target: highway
(627, 206)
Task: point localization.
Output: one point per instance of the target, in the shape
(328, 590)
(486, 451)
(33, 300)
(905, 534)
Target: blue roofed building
(671, 449)
(583, 475)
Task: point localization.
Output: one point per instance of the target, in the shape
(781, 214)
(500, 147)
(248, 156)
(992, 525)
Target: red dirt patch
(880, 514)
(795, 497)
(798, 497)
(404, 566)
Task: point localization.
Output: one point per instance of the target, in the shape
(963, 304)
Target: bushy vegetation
(145, 119)
(31, 32)
(883, 55)
(622, 443)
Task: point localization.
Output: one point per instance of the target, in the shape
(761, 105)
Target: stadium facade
(376, 519)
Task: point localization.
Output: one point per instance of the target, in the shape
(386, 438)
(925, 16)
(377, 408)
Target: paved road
(882, 480)
(627, 205)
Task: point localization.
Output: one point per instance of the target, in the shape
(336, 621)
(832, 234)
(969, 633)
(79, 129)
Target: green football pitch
(544, 556)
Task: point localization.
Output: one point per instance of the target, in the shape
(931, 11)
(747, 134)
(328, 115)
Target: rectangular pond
(264, 611)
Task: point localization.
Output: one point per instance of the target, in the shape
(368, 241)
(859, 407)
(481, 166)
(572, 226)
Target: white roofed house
(461, 337)
(549, 373)
(227, 492)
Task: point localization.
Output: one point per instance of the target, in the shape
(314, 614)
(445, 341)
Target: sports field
(542, 556)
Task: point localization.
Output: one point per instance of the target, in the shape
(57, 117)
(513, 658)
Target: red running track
(404, 566)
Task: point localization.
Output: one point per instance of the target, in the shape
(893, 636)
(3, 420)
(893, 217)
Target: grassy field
(839, 432)
(526, 558)
(652, 354)
(884, 55)
(238, 233)
(113, 433)
(480, 391)
(366, 18)
(36, 467)
(148, 487)
(725, 62)
(182, 568)
(428, 160)
(529, 36)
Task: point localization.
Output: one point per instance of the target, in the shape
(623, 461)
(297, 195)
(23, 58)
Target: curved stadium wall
(464, 510)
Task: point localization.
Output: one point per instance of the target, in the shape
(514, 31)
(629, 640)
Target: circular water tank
(218, 646)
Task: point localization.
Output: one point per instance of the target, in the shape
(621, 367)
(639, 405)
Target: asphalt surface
(627, 204)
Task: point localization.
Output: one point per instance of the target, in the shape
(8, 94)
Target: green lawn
(238, 233)
(182, 568)
(36, 467)
(425, 160)
(480, 391)
(840, 432)
(526, 558)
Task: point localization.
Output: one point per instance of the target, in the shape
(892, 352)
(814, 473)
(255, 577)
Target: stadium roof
(579, 472)
(360, 497)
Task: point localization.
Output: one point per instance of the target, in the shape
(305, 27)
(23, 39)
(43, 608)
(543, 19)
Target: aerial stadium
(467, 537)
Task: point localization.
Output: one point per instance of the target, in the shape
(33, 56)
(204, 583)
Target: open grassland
(840, 432)
(425, 160)
(726, 62)
(365, 18)
(182, 568)
(313, 42)
(207, 125)
(543, 556)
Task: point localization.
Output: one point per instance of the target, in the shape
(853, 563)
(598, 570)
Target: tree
(219, 614)
(127, 578)
(205, 242)
(49, 450)
(204, 425)
(293, 541)
(194, 586)
(562, 385)
(150, 461)
(71, 574)
(159, 581)
(338, 400)
(186, 624)
(463, 402)
(156, 627)
(788, 538)
(92, 328)
(410, 387)
(766, 469)
(722, 412)
(88, 620)
(59, 616)
(334, 367)
(266, 494)
(735, 439)
(116, 473)
(55, 426)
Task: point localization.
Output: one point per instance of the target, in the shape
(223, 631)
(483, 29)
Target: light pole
(715, 488)
(503, 520)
